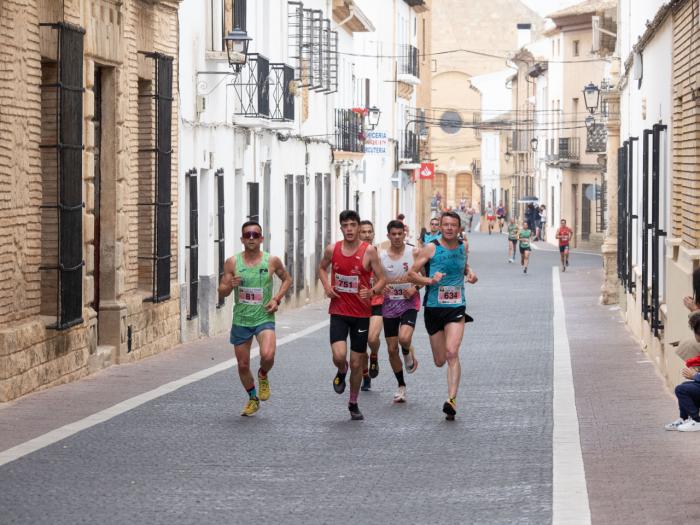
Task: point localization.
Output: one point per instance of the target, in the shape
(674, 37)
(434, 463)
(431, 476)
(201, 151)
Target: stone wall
(125, 325)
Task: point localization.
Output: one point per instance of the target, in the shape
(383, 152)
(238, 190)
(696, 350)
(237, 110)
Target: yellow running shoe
(251, 407)
(263, 388)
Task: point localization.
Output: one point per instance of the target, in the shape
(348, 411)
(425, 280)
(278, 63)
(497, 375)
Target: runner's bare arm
(276, 266)
(323, 272)
(229, 280)
(415, 274)
(375, 265)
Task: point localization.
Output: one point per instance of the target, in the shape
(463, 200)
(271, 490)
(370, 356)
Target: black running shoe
(339, 383)
(355, 413)
(373, 368)
(450, 409)
(366, 384)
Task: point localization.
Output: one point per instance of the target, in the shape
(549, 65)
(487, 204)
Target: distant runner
(524, 236)
(250, 274)
(512, 239)
(490, 217)
(501, 215)
(564, 234)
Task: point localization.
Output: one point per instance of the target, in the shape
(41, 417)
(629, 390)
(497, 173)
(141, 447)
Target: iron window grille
(596, 139)
(410, 147)
(289, 225)
(69, 174)
(312, 48)
(327, 202)
(569, 149)
(602, 205)
(221, 238)
(162, 152)
(193, 246)
(622, 214)
(646, 226)
(656, 232)
(318, 188)
(631, 216)
(282, 98)
(252, 87)
(300, 230)
(349, 131)
(409, 63)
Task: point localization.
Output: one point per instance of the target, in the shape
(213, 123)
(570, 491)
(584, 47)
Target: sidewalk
(636, 471)
(41, 412)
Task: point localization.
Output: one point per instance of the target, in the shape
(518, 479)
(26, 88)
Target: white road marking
(569, 491)
(18, 451)
(573, 251)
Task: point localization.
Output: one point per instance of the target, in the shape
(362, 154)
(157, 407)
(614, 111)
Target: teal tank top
(449, 292)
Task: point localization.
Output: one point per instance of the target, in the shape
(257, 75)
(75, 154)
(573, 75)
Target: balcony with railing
(252, 87)
(409, 64)
(563, 149)
(409, 153)
(349, 131)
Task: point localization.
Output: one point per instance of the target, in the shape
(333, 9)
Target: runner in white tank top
(401, 304)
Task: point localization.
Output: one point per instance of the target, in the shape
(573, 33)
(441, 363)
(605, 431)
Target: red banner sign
(427, 170)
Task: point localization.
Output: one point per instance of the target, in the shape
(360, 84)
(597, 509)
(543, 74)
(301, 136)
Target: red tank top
(348, 277)
(564, 236)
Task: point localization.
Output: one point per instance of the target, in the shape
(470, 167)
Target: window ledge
(219, 56)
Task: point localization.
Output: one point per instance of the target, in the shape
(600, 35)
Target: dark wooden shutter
(193, 245)
(221, 239)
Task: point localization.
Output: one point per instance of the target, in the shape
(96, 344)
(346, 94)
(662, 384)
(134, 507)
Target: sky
(545, 7)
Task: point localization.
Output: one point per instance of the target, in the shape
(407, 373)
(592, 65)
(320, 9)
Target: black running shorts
(437, 318)
(376, 310)
(356, 327)
(392, 324)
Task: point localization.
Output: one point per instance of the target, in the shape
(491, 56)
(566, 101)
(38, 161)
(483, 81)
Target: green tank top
(525, 238)
(512, 232)
(254, 292)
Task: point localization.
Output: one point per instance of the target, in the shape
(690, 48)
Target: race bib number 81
(347, 283)
(450, 295)
(248, 295)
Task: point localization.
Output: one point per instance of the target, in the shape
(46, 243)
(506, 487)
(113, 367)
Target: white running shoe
(510, 260)
(689, 426)
(409, 360)
(400, 395)
(675, 424)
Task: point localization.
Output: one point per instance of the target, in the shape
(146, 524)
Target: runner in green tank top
(512, 239)
(250, 273)
(524, 236)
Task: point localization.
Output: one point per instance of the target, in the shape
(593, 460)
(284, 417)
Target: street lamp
(591, 97)
(373, 115)
(508, 155)
(237, 40)
(590, 122)
(533, 144)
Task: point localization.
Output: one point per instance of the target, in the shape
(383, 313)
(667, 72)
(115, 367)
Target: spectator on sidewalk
(688, 392)
(693, 303)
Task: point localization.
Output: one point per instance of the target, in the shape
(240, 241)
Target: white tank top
(395, 269)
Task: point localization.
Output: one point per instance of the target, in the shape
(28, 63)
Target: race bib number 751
(347, 283)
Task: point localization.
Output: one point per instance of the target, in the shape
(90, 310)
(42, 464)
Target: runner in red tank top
(564, 234)
(371, 368)
(349, 289)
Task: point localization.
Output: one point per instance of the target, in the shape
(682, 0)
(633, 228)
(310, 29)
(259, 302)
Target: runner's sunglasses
(251, 235)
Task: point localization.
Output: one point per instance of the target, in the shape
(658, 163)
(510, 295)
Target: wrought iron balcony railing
(281, 96)
(349, 131)
(563, 149)
(409, 151)
(252, 87)
(409, 61)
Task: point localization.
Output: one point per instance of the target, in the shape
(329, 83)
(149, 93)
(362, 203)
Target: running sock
(399, 378)
(353, 398)
(252, 394)
(405, 351)
(373, 357)
(262, 372)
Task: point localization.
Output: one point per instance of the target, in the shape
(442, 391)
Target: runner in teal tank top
(250, 273)
(446, 266)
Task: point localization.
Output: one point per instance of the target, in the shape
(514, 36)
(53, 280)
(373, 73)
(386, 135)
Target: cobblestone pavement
(188, 457)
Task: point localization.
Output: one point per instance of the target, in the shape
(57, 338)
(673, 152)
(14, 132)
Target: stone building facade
(88, 187)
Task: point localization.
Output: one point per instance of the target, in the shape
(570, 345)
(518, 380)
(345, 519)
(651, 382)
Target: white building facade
(283, 140)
